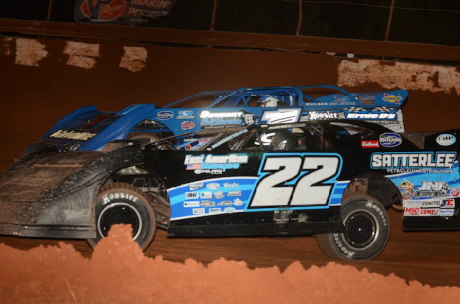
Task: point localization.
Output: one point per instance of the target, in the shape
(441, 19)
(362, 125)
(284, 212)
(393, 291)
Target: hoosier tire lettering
(111, 196)
(121, 203)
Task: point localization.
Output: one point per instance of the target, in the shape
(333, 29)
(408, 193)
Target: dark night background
(427, 21)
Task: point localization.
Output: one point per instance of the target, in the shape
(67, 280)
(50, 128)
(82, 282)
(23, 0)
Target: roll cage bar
(234, 98)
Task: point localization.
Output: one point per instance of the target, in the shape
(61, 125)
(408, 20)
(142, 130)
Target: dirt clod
(119, 272)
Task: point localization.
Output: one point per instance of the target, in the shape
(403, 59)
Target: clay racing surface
(119, 272)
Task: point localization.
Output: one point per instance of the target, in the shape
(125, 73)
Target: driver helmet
(268, 101)
(284, 140)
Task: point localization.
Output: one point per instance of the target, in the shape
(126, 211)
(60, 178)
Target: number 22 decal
(296, 180)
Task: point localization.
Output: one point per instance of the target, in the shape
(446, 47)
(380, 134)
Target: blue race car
(88, 129)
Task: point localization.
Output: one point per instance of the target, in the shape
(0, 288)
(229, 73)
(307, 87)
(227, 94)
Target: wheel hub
(361, 229)
(119, 213)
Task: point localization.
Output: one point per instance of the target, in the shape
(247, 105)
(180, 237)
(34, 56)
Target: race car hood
(56, 188)
(88, 129)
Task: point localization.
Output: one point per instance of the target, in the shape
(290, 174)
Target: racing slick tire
(146, 138)
(120, 203)
(367, 230)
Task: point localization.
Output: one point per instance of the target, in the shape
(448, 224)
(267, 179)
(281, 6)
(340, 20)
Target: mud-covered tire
(145, 138)
(367, 230)
(121, 203)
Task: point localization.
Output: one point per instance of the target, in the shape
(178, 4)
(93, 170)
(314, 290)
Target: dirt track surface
(118, 272)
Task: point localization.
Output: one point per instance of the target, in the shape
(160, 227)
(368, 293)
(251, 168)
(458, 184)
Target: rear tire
(121, 203)
(367, 230)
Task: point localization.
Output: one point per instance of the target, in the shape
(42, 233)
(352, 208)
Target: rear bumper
(61, 232)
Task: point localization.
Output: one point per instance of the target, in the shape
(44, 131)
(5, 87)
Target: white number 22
(295, 181)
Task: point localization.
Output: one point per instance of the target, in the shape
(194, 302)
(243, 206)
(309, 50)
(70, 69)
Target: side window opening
(193, 142)
(246, 141)
(316, 138)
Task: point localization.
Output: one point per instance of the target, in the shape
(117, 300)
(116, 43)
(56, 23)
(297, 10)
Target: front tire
(121, 203)
(367, 230)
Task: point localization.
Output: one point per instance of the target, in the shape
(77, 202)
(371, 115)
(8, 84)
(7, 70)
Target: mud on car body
(332, 178)
(88, 129)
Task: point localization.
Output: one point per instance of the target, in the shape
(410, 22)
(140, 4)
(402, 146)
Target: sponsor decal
(281, 115)
(220, 163)
(406, 184)
(329, 104)
(234, 193)
(73, 135)
(432, 189)
(187, 125)
(323, 115)
(448, 203)
(231, 185)
(237, 202)
(191, 195)
(215, 210)
(165, 115)
(228, 138)
(192, 204)
(446, 212)
(224, 203)
(431, 207)
(207, 114)
(430, 204)
(219, 194)
(411, 211)
(213, 186)
(225, 119)
(198, 211)
(131, 12)
(368, 115)
(445, 140)
(370, 144)
(455, 192)
(188, 114)
(196, 186)
(390, 139)
(392, 98)
(208, 204)
(412, 160)
(229, 209)
(408, 194)
(429, 212)
(206, 195)
(407, 190)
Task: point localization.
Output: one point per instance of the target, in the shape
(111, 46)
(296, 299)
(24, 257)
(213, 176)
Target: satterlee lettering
(412, 160)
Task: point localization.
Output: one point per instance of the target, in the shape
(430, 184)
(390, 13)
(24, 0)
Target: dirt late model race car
(332, 178)
(88, 129)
